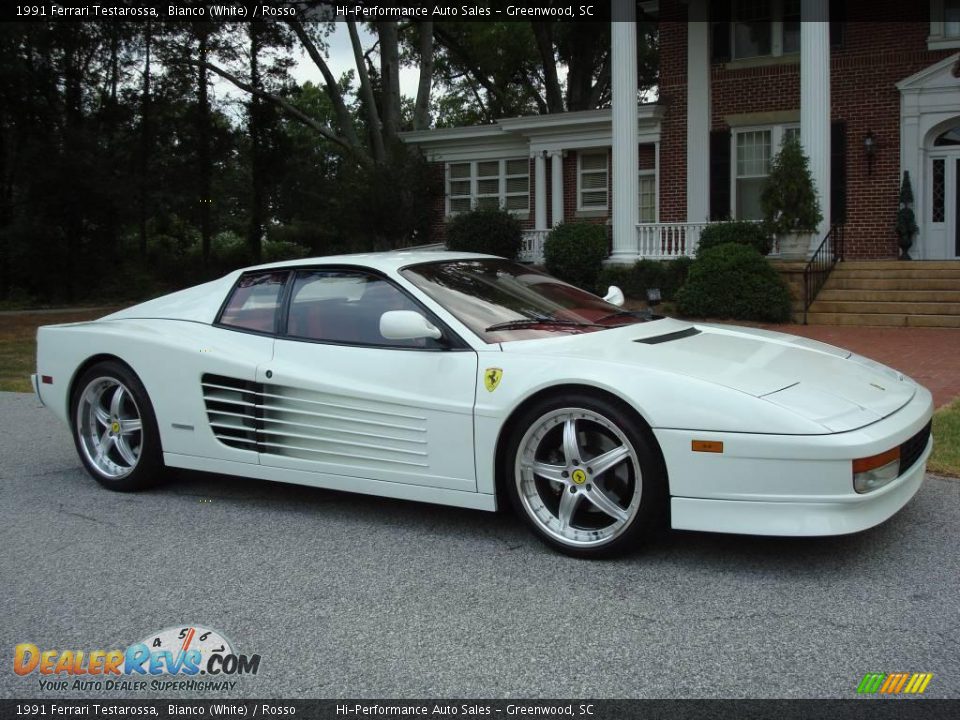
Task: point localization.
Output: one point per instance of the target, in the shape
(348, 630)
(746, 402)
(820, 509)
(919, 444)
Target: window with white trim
(489, 184)
(753, 149)
(761, 28)
(944, 25)
(647, 190)
(592, 176)
(951, 18)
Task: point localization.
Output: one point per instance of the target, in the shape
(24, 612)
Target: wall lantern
(870, 148)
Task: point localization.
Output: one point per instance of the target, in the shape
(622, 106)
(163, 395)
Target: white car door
(340, 399)
(230, 353)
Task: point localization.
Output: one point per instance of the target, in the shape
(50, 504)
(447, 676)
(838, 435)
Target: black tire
(131, 459)
(637, 483)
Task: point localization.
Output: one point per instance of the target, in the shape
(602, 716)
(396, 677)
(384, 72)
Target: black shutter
(720, 175)
(838, 16)
(838, 172)
(720, 27)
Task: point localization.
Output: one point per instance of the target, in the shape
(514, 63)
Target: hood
(819, 382)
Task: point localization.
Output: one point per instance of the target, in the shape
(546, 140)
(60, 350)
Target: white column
(698, 113)
(815, 100)
(556, 189)
(540, 191)
(625, 154)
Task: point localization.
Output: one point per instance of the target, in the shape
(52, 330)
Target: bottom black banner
(893, 708)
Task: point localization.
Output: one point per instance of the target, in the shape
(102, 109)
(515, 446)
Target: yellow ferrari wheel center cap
(579, 477)
(115, 427)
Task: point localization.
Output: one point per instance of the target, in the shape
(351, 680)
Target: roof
(391, 260)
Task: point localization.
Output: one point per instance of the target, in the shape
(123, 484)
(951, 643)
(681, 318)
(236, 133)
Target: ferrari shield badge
(491, 378)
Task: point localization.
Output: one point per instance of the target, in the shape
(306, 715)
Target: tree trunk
(204, 153)
(390, 80)
(421, 113)
(257, 194)
(367, 96)
(145, 111)
(543, 32)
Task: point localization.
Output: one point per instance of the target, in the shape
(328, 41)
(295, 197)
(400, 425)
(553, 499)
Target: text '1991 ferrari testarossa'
(470, 380)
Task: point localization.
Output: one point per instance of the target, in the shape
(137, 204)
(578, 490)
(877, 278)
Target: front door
(942, 241)
(340, 399)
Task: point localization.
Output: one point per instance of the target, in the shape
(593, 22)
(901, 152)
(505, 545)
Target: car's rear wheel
(585, 476)
(114, 428)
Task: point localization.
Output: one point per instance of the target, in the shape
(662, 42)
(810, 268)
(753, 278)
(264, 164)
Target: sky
(340, 59)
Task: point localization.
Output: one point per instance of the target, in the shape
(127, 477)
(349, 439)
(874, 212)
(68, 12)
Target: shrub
(742, 232)
(634, 280)
(277, 250)
(495, 232)
(734, 281)
(575, 252)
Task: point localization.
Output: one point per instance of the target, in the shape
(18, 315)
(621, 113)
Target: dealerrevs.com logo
(169, 660)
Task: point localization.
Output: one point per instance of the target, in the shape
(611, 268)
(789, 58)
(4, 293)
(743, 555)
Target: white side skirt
(399, 491)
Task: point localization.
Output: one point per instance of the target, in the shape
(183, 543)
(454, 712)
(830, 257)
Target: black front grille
(913, 448)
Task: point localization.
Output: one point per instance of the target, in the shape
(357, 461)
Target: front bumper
(790, 485)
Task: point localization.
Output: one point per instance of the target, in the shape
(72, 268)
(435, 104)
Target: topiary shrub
(575, 252)
(789, 200)
(491, 231)
(636, 279)
(734, 281)
(742, 232)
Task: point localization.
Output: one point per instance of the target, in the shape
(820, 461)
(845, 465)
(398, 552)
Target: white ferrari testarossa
(473, 381)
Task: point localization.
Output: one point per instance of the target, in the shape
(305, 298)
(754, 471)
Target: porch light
(870, 148)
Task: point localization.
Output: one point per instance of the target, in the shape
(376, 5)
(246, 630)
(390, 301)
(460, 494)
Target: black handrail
(817, 271)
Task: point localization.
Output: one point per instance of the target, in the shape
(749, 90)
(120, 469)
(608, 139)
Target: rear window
(254, 301)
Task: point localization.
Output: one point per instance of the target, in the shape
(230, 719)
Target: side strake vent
(290, 422)
(669, 337)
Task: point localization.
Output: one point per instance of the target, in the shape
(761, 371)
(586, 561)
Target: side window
(344, 306)
(253, 304)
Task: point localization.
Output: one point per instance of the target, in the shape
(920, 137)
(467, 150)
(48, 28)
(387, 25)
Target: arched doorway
(941, 211)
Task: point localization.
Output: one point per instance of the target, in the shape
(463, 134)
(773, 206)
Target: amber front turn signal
(872, 473)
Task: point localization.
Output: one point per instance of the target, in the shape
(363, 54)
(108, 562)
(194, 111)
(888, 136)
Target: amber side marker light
(713, 446)
(872, 473)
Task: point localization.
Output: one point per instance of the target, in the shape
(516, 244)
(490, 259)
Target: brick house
(868, 100)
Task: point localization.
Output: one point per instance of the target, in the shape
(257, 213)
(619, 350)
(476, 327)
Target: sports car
(473, 381)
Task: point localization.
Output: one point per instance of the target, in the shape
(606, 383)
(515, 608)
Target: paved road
(352, 596)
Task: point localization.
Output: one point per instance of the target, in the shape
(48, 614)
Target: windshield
(501, 300)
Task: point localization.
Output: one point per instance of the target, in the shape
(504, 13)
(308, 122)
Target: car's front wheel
(114, 428)
(585, 476)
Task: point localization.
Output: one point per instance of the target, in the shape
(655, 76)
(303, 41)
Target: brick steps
(890, 294)
(884, 320)
(844, 282)
(887, 308)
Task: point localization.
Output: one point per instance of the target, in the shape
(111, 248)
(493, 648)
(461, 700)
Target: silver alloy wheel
(578, 477)
(109, 427)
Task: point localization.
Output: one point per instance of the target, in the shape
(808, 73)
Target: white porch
(651, 241)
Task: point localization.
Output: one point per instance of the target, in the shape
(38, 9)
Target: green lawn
(946, 440)
(18, 343)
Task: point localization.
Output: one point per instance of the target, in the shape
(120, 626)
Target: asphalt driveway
(350, 596)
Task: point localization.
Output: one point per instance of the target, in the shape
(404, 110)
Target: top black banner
(445, 10)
